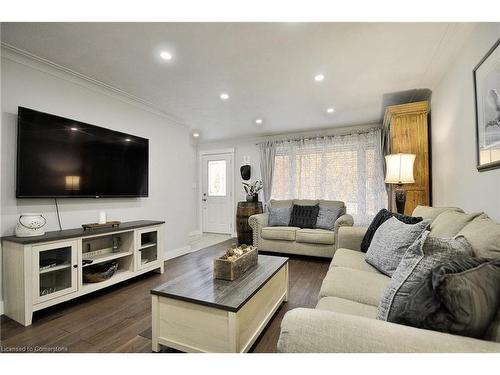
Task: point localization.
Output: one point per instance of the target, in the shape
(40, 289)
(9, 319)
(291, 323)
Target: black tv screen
(59, 157)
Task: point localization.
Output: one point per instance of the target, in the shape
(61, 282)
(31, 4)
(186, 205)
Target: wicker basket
(99, 272)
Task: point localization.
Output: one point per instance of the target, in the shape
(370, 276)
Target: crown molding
(26, 58)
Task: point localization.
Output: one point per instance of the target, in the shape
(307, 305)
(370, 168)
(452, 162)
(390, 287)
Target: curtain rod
(308, 138)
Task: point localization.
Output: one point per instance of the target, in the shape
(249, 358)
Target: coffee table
(196, 313)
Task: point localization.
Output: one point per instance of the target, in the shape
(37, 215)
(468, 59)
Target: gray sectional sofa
(293, 240)
(344, 319)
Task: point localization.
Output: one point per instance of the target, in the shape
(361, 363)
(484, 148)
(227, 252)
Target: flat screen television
(59, 157)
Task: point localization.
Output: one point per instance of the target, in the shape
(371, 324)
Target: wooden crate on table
(230, 267)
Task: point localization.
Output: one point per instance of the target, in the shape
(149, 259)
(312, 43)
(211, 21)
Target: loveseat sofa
(344, 319)
(294, 240)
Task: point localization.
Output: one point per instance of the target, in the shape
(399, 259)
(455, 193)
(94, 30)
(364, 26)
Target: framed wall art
(487, 99)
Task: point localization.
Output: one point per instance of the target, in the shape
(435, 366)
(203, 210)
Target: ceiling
(267, 69)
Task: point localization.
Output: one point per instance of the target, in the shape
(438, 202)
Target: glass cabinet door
(55, 270)
(147, 245)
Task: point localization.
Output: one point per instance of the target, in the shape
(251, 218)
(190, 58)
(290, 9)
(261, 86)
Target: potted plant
(252, 190)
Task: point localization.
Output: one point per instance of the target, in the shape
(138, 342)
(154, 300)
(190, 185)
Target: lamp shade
(399, 168)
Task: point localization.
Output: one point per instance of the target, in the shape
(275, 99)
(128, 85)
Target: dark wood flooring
(118, 319)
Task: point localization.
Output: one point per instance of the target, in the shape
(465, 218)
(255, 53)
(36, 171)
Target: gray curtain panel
(267, 155)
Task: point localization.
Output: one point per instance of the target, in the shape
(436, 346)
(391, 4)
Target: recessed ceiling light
(259, 121)
(330, 110)
(196, 135)
(74, 129)
(319, 77)
(127, 140)
(224, 96)
(165, 55)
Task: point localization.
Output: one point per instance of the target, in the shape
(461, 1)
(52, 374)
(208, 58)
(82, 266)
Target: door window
(217, 178)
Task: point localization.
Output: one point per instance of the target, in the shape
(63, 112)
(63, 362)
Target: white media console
(43, 271)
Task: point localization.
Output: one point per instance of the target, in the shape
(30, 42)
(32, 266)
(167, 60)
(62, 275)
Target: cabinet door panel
(54, 270)
(147, 247)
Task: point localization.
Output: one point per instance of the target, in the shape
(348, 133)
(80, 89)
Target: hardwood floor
(118, 319)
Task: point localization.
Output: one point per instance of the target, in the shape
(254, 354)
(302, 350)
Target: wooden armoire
(407, 129)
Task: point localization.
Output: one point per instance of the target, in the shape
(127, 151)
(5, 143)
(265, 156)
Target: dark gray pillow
(304, 216)
(279, 216)
(418, 261)
(327, 216)
(460, 296)
(382, 216)
(390, 242)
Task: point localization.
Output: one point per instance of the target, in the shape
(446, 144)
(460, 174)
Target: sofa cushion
(390, 242)
(460, 296)
(449, 223)
(304, 216)
(298, 248)
(419, 260)
(484, 236)
(345, 306)
(355, 285)
(351, 259)
(432, 213)
(279, 216)
(322, 236)
(381, 217)
(279, 233)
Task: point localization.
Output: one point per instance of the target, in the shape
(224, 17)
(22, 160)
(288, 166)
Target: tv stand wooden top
(80, 232)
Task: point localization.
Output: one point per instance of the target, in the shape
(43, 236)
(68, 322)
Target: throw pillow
(484, 236)
(382, 216)
(422, 256)
(460, 296)
(390, 242)
(304, 216)
(449, 223)
(327, 216)
(279, 216)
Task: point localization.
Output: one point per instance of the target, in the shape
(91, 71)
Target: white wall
(172, 156)
(456, 181)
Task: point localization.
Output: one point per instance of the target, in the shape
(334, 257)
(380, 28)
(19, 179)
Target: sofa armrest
(350, 237)
(345, 220)
(313, 331)
(257, 222)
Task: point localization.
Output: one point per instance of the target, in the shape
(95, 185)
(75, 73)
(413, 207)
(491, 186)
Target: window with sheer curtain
(348, 168)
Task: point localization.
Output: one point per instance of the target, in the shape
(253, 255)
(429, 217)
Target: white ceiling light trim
(330, 110)
(259, 121)
(165, 55)
(224, 96)
(319, 77)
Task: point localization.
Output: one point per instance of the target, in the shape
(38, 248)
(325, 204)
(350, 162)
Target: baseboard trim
(196, 232)
(169, 254)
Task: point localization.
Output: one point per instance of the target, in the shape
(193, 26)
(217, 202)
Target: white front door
(217, 195)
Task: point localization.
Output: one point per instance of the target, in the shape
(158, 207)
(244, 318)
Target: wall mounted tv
(58, 157)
